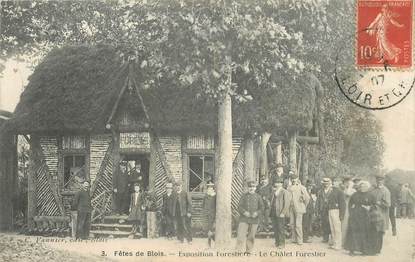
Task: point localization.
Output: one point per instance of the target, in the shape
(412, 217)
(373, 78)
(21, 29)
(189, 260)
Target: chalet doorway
(138, 169)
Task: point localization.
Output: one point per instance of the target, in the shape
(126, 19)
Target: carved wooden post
(151, 224)
(31, 182)
(116, 162)
(74, 223)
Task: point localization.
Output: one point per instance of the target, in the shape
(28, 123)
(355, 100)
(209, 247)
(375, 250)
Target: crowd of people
(346, 213)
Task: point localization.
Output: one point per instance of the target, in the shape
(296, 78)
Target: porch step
(112, 225)
(114, 234)
(118, 219)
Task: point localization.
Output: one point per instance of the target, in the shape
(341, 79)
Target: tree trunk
(293, 151)
(264, 159)
(249, 159)
(278, 153)
(305, 163)
(224, 176)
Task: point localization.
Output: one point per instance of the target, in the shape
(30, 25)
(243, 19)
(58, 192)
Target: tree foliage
(199, 44)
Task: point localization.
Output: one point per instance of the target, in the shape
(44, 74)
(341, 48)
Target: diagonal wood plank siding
(161, 179)
(103, 182)
(49, 147)
(98, 148)
(46, 204)
(172, 149)
(47, 164)
(236, 144)
(238, 178)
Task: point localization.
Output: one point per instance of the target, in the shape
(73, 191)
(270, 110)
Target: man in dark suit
(183, 212)
(121, 190)
(280, 208)
(82, 203)
(250, 208)
(322, 208)
(394, 192)
(169, 199)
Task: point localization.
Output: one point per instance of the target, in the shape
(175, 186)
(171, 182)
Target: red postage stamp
(384, 33)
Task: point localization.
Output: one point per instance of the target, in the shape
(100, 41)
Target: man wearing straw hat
(209, 207)
(299, 202)
(323, 209)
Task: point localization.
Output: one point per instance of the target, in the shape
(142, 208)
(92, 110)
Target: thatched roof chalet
(75, 88)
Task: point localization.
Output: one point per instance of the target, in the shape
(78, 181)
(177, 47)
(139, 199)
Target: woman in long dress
(348, 192)
(359, 231)
(386, 50)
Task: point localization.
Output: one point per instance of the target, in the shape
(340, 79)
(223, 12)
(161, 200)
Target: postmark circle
(374, 88)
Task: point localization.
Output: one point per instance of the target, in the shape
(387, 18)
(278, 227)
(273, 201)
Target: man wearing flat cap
(356, 181)
(383, 202)
(250, 208)
(299, 202)
(169, 202)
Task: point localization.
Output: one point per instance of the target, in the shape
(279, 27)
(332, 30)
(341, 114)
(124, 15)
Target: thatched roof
(75, 88)
(5, 115)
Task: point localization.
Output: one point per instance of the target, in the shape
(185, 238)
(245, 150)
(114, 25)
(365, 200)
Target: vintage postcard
(204, 130)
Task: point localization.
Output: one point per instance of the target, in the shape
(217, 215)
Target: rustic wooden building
(83, 113)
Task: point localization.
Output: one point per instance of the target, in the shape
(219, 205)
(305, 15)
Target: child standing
(137, 210)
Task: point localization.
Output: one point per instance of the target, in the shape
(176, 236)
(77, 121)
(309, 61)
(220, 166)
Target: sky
(398, 122)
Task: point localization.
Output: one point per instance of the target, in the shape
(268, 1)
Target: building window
(73, 171)
(201, 171)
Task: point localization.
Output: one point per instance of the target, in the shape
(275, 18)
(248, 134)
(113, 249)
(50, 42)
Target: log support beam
(292, 143)
(249, 159)
(31, 183)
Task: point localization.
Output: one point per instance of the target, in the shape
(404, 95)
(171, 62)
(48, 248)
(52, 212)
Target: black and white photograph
(202, 130)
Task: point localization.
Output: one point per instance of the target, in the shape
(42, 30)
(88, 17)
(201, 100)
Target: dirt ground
(400, 248)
